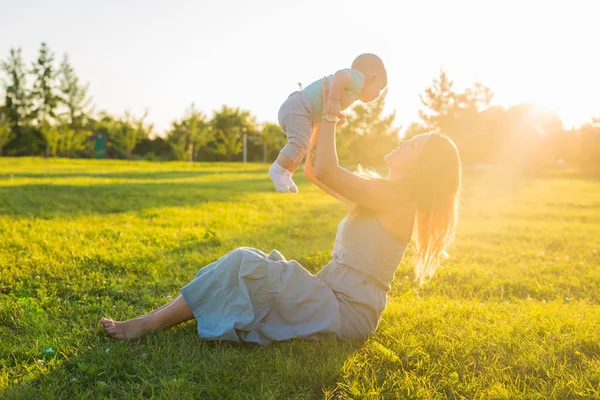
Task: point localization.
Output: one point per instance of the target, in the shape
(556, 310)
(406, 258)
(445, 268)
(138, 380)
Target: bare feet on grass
(128, 330)
(174, 313)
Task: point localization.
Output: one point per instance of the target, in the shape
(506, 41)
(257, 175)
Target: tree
(230, 124)
(177, 139)
(17, 105)
(198, 132)
(464, 117)
(438, 100)
(6, 134)
(589, 153)
(43, 95)
(273, 139)
(127, 131)
(180, 147)
(72, 140)
(478, 97)
(189, 135)
(230, 142)
(16, 97)
(367, 135)
(52, 136)
(73, 95)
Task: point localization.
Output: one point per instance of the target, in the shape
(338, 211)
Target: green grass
(513, 314)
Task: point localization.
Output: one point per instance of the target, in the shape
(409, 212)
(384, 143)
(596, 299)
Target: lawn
(514, 313)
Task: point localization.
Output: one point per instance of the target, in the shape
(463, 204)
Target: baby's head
(375, 74)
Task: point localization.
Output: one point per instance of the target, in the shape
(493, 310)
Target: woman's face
(404, 157)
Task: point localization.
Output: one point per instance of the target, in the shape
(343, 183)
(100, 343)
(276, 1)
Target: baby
(301, 112)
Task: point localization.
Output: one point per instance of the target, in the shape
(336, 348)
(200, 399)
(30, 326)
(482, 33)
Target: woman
(250, 296)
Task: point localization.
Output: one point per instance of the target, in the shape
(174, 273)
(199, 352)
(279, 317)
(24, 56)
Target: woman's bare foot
(128, 330)
(174, 313)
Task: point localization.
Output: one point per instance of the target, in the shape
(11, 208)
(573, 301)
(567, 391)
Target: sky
(165, 55)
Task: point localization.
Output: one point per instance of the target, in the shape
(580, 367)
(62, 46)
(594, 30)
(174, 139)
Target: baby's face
(374, 84)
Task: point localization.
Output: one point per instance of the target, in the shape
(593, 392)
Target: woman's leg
(174, 313)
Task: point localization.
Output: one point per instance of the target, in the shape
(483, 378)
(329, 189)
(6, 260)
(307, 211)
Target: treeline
(47, 112)
(522, 136)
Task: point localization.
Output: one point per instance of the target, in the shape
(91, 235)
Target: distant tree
(198, 131)
(73, 95)
(16, 99)
(177, 139)
(190, 134)
(273, 140)
(464, 117)
(438, 99)
(17, 106)
(589, 153)
(51, 135)
(230, 142)
(127, 131)
(6, 134)
(230, 124)
(155, 148)
(43, 96)
(72, 140)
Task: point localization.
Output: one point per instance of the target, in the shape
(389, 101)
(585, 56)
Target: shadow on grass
(138, 175)
(50, 200)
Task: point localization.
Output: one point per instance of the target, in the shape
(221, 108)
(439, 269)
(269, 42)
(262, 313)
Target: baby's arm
(339, 81)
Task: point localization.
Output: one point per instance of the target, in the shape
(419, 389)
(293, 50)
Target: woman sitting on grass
(250, 296)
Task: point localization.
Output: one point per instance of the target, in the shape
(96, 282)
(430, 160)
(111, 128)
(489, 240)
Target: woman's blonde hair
(433, 186)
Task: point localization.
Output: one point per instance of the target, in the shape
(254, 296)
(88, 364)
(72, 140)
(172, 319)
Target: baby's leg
(279, 173)
(296, 121)
(284, 166)
(286, 163)
(290, 157)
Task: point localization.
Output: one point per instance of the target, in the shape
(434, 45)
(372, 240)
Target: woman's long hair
(433, 186)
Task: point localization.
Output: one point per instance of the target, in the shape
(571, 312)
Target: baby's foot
(277, 174)
(127, 330)
(291, 185)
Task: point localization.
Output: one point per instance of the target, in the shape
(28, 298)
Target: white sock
(277, 175)
(292, 186)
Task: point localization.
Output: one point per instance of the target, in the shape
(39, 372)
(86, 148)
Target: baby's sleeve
(357, 80)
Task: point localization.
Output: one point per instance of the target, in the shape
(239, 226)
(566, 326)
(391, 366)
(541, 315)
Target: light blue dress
(250, 296)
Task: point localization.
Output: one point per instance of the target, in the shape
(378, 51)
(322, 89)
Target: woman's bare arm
(309, 169)
(371, 194)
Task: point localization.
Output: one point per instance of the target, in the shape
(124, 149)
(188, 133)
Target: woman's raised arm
(372, 194)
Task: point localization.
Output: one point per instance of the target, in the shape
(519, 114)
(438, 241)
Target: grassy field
(513, 315)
